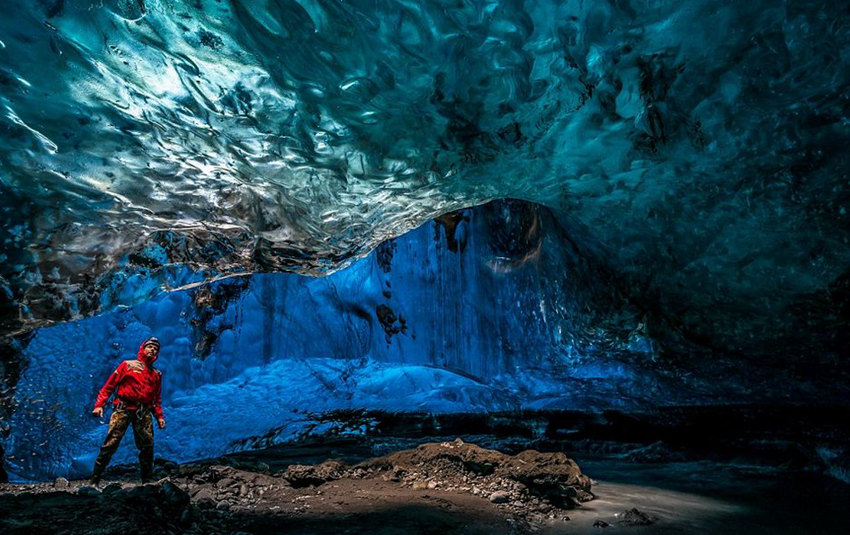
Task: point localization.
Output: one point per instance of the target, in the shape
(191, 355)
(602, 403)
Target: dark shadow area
(122, 512)
(435, 518)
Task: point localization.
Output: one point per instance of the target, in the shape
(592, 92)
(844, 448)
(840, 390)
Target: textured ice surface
(695, 148)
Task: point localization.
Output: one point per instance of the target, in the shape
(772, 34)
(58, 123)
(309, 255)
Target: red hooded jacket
(137, 383)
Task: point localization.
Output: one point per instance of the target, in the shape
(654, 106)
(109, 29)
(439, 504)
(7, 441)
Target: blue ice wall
(487, 309)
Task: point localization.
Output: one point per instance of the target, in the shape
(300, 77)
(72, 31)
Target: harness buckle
(138, 413)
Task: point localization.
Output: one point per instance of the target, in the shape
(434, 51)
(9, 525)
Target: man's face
(151, 350)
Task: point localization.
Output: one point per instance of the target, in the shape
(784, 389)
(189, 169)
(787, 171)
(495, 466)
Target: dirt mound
(529, 475)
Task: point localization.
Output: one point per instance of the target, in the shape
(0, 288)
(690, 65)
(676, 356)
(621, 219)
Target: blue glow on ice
(444, 319)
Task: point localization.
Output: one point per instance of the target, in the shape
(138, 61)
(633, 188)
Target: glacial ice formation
(696, 148)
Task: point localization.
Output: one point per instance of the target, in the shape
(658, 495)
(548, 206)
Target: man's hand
(97, 412)
(161, 423)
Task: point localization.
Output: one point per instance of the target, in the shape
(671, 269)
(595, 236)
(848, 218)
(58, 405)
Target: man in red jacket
(138, 393)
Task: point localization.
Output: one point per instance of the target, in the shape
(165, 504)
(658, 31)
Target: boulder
(299, 475)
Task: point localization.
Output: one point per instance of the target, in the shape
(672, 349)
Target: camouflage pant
(142, 433)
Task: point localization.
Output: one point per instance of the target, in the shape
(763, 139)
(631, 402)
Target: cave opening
(465, 267)
(487, 325)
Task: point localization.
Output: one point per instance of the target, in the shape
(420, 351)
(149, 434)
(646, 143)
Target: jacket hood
(141, 354)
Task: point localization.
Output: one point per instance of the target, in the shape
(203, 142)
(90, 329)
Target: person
(138, 396)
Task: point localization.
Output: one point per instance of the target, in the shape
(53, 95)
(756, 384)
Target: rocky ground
(445, 486)
(739, 470)
(449, 487)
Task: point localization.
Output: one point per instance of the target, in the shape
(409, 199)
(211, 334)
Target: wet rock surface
(449, 487)
(635, 517)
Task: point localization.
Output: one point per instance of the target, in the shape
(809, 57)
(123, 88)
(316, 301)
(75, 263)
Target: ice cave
(428, 266)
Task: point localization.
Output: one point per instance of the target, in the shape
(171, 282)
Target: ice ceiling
(695, 151)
